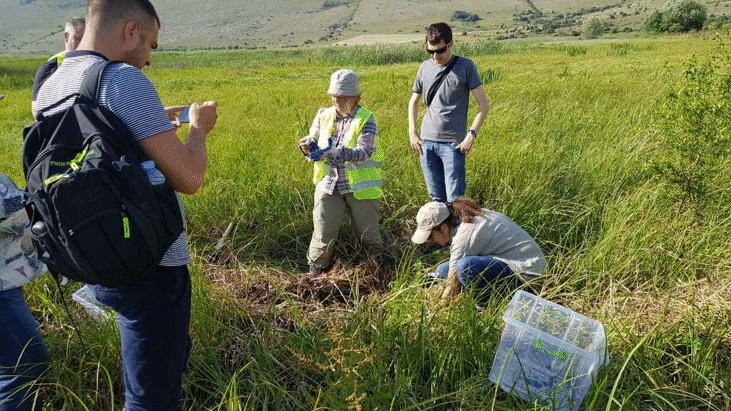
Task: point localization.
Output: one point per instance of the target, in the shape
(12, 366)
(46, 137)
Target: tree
(693, 127)
(684, 16)
(593, 28)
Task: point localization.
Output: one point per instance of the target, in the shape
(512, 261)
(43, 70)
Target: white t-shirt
(127, 93)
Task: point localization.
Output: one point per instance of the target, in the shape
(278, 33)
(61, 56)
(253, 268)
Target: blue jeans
(154, 318)
(23, 354)
(477, 272)
(444, 170)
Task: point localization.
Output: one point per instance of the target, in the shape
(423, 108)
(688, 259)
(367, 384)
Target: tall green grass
(565, 152)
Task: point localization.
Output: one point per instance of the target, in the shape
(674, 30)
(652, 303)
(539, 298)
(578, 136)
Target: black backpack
(95, 217)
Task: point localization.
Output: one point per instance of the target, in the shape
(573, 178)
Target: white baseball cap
(429, 216)
(344, 82)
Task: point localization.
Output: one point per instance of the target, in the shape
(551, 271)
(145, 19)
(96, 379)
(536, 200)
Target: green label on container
(540, 347)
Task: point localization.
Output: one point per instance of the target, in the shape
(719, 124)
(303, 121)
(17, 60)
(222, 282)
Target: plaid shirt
(364, 148)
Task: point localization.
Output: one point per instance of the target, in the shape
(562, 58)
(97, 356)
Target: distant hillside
(33, 27)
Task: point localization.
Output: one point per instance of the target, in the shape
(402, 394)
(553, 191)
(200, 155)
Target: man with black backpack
(445, 82)
(154, 315)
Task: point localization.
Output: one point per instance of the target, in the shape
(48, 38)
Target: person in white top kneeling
(486, 246)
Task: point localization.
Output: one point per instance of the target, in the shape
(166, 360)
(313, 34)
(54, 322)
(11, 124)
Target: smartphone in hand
(184, 116)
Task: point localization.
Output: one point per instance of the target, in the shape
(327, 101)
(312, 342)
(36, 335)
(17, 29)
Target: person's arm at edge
(457, 250)
(184, 165)
(414, 138)
(483, 106)
(453, 287)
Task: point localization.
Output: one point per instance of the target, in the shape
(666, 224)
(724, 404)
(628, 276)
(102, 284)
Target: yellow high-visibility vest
(58, 57)
(364, 178)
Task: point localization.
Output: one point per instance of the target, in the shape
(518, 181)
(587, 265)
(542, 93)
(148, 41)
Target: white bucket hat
(429, 216)
(344, 82)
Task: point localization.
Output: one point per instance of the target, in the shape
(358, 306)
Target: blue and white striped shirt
(127, 93)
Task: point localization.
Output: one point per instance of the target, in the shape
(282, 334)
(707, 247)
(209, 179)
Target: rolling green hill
(34, 27)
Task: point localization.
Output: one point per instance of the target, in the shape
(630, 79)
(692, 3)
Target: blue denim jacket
(18, 262)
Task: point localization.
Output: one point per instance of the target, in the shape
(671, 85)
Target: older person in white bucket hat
(486, 247)
(344, 146)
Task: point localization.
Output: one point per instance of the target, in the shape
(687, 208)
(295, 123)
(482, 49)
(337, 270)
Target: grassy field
(568, 152)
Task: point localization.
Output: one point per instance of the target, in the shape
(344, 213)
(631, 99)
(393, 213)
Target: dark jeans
(479, 273)
(154, 318)
(23, 355)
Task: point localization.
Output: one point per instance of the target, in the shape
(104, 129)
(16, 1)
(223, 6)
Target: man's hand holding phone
(184, 116)
(200, 116)
(203, 116)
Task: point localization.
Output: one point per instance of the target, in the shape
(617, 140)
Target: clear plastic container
(548, 354)
(97, 310)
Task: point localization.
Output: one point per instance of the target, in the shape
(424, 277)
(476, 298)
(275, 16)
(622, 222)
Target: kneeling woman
(486, 246)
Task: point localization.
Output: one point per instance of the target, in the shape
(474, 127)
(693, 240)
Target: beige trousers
(327, 216)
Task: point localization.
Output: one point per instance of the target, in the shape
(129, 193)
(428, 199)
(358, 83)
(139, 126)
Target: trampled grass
(565, 153)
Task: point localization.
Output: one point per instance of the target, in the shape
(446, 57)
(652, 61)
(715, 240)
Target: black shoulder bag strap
(438, 82)
(90, 90)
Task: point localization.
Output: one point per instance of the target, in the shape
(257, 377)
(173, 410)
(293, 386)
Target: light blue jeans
(444, 170)
(23, 354)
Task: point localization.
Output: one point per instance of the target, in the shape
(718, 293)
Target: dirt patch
(259, 289)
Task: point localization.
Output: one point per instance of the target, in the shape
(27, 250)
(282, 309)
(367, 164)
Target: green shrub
(593, 28)
(465, 16)
(684, 16)
(694, 128)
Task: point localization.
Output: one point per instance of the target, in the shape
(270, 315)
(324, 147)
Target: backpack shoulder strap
(90, 91)
(438, 82)
(93, 80)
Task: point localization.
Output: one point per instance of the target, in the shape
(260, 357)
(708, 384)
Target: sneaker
(314, 272)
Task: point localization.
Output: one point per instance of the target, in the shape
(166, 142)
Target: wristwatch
(474, 133)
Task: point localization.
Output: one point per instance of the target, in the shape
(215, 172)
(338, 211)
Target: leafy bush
(694, 128)
(684, 16)
(593, 28)
(465, 16)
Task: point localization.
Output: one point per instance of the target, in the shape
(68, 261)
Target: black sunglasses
(438, 51)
